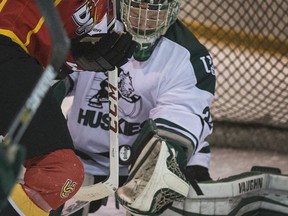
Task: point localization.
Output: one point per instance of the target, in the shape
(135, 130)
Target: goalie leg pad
(155, 180)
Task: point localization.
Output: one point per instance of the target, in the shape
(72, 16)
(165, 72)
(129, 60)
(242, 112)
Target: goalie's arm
(180, 139)
(61, 88)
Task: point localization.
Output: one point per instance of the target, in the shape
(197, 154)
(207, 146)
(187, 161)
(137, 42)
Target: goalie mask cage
(248, 43)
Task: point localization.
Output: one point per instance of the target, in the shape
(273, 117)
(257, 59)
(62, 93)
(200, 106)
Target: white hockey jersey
(174, 87)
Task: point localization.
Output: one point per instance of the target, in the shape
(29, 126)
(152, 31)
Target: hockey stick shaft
(60, 46)
(104, 189)
(113, 129)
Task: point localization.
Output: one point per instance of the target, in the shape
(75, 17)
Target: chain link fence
(248, 43)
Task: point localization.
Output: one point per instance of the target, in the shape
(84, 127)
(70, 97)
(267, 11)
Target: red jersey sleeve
(23, 23)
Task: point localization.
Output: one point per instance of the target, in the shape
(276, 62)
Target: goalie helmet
(146, 21)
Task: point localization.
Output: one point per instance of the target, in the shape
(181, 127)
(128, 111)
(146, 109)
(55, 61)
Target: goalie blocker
(156, 178)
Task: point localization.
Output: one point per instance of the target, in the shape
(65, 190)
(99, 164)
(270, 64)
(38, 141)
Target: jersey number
(208, 64)
(207, 117)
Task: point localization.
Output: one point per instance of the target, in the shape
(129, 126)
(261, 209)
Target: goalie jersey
(174, 87)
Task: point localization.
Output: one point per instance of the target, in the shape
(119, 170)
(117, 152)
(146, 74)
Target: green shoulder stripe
(199, 55)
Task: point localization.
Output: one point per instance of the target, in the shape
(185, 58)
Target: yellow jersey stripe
(2, 4)
(13, 37)
(38, 26)
(34, 31)
(19, 199)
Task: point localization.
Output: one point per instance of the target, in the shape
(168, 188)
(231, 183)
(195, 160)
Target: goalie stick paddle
(60, 46)
(109, 186)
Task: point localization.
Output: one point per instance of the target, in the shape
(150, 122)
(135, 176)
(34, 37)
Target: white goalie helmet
(147, 20)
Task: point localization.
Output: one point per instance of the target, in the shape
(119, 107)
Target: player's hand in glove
(156, 178)
(9, 171)
(102, 53)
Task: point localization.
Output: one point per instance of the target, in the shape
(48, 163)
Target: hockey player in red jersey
(53, 172)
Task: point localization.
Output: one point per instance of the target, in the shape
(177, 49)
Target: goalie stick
(109, 186)
(60, 46)
(102, 189)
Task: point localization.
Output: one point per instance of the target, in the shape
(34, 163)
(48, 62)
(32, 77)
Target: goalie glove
(156, 178)
(102, 53)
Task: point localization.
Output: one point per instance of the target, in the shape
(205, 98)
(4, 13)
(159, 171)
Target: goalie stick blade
(96, 191)
(72, 206)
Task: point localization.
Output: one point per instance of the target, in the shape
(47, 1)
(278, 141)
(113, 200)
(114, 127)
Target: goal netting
(249, 45)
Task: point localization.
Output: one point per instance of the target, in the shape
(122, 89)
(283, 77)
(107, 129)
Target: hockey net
(249, 46)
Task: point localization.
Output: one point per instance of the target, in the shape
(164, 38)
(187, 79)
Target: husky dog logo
(126, 88)
(125, 92)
